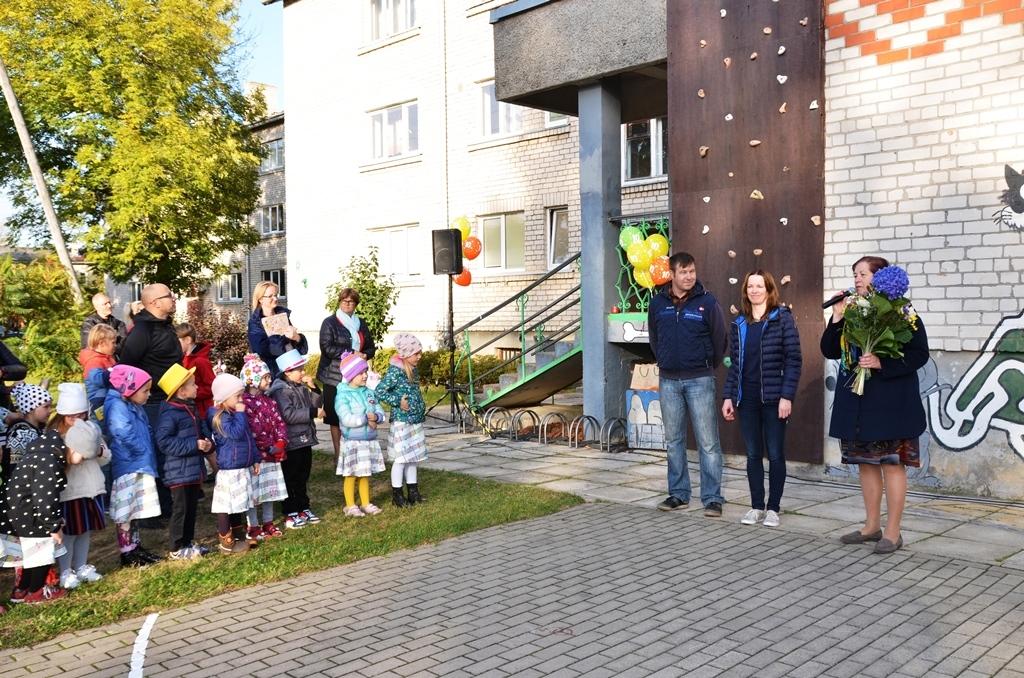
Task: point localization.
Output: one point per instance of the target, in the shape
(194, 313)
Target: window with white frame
(276, 276)
(396, 250)
(388, 17)
(136, 291)
(555, 119)
(504, 242)
(271, 219)
(500, 117)
(395, 131)
(230, 288)
(275, 156)
(645, 149)
(558, 236)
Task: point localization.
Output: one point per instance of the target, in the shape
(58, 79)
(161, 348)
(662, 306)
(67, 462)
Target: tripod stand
(452, 390)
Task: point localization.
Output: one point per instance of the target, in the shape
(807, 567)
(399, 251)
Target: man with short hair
(104, 315)
(689, 338)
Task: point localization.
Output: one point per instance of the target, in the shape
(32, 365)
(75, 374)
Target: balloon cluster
(471, 248)
(649, 256)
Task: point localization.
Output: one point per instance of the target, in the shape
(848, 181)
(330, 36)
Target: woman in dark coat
(264, 305)
(764, 373)
(878, 430)
(340, 332)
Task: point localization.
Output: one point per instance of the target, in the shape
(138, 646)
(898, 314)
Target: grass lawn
(456, 504)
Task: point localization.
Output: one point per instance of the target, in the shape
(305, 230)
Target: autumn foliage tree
(142, 130)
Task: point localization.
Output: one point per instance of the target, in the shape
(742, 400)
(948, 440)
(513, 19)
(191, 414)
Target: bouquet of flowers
(880, 322)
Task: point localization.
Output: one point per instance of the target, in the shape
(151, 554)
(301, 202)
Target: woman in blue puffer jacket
(764, 373)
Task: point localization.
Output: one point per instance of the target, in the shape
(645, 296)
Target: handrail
(521, 292)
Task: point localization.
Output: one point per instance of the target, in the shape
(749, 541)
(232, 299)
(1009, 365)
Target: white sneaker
(87, 573)
(68, 579)
(753, 517)
(771, 519)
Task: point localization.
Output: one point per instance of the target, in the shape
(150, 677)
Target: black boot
(397, 498)
(414, 494)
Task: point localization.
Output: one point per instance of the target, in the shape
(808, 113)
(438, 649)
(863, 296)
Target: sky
(259, 26)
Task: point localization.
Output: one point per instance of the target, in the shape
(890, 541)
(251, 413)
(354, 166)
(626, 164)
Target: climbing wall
(747, 153)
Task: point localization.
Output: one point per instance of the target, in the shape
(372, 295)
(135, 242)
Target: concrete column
(605, 366)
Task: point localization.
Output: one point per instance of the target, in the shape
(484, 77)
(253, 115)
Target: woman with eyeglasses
(269, 346)
(341, 332)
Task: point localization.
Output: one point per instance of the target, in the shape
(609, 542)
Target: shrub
(225, 331)
(381, 359)
(377, 293)
(311, 367)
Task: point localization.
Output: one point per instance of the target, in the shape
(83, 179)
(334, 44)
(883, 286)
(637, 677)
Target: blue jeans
(699, 397)
(762, 429)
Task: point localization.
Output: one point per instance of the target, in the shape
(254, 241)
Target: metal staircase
(549, 353)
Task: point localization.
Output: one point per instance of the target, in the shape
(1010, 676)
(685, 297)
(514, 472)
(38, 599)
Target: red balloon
(463, 279)
(472, 247)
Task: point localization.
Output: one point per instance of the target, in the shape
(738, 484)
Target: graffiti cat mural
(1012, 214)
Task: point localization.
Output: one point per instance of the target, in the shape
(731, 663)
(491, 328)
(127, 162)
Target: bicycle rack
(609, 427)
(580, 425)
(495, 416)
(517, 423)
(549, 419)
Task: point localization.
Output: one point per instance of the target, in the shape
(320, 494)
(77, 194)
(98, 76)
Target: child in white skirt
(359, 414)
(237, 463)
(407, 444)
(132, 459)
(271, 436)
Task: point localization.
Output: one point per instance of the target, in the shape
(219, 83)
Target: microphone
(835, 300)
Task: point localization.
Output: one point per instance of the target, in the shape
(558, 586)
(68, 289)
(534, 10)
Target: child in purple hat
(359, 414)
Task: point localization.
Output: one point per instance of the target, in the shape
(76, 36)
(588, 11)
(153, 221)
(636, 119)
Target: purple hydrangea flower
(892, 281)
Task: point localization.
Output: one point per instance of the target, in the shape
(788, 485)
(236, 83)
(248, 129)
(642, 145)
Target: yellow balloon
(643, 277)
(639, 255)
(461, 224)
(658, 244)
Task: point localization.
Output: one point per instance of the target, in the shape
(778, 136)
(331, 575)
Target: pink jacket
(267, 426)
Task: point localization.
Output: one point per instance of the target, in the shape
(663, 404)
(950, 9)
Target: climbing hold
(816, 220)
(758, 252)
(803, 22)
(785, 169)
(705, 230)
(782, 50)
(700, 93)
(707, 198)
(753, 56)
(784, 221)
(767, 30)
(814, 104)
(733, 281)
(782, 79)
(731, 174)
(732, 255)
(734, 310)
(728, 62)
(703, 43)
(785, 280)
(703, 151)
(728, 117)
(723, 13)
(782, 108)
(757, 195)
(755, 142)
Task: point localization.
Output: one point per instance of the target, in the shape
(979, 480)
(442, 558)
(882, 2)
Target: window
(645, 149)
(276, 276)
(395, 131)
(558, 236)
(271, 219)
(555, 119)
(395, 250)
(230, 288)
(500, 117)
(388, 17)
(136, 291)
(275, 156)
(504, 241)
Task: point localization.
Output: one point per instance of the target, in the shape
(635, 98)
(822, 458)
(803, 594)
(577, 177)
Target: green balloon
(630, 235)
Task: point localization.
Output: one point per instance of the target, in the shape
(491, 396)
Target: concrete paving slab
(995, 534)
(447, 465)
(571, 485)
(812, 524)
(620, 494)
(953, 508)
(622, 477)
(962, 548)
(524, 477)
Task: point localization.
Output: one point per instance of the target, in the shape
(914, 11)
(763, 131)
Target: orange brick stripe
(901, 11)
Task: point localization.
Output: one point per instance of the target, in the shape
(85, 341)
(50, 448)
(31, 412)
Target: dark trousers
(295, 470)
(182, 529)
(153, 414)
(763, 431)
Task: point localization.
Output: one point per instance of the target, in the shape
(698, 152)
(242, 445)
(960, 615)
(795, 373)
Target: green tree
(141, 128)
(377, 293)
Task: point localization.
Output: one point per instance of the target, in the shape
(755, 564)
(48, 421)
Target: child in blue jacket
(359, 414)
(237, 463)
(133, 460)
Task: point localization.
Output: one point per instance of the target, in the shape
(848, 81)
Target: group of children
(62, 471)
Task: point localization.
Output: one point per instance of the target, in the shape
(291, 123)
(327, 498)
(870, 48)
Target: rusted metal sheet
(725, 106)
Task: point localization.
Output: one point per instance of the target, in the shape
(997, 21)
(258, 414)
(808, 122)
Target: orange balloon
(660, 271)
(463, 279)
(472, 247)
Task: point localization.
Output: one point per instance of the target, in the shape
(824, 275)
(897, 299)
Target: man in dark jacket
(689, 338)
(153, 346)
(104, 315)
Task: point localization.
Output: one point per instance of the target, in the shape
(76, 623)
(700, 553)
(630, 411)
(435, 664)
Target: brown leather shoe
(858, 538)
(885, 546)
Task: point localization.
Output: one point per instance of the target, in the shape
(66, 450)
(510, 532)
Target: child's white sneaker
(354, 512)
(87, 573)
(771, 519)
(68, 579)
(753, 517)
(371, 510)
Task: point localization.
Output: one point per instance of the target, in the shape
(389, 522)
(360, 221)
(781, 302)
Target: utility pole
(37, 175)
